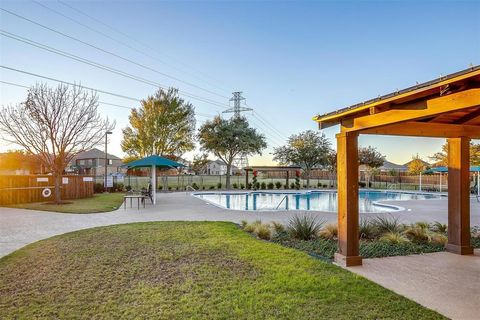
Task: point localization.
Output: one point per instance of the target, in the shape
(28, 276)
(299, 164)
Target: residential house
(218, 167)
(92, 162)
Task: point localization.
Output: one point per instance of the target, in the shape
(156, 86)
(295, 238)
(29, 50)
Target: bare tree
(55, 124)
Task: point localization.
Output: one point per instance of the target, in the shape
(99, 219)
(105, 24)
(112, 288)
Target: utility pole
(237, 107)
(241, 161)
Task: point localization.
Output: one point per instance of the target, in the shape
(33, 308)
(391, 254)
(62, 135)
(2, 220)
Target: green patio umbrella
(153, 162)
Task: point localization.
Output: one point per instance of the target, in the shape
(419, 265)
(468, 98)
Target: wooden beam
(472, 115)
(426, 129)
(459, 196)
(416, 110)
(347, 177)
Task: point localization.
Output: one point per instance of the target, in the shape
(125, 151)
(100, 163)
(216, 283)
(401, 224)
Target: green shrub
(292, 185)
(118, 186)
(235, 186)
(211, 187)
(278, 184)
(393, 237)
(128, 188)
(242, 186)
(378, 249)
(285, 186)
(270, 185)
(195, 186)
(263, 186)
(319, 247)
(330, 231)
(249, 186)
(98, 188)
(304, 227)
(219, 185)
(319, 184)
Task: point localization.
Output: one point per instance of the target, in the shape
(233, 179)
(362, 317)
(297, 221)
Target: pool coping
(375, 203)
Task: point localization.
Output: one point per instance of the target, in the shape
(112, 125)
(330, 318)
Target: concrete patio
(442, 281)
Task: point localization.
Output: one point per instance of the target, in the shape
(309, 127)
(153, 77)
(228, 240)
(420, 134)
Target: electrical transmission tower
(242, 160)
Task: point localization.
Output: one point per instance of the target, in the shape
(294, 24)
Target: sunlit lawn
(102, 202)
(185, 270)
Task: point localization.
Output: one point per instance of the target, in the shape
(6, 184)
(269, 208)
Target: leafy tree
(416, 166)
(371, 159)
(199, 163)
(441, 158)
(307, 149)
(55, 124)
(164, 125)
(228, 139)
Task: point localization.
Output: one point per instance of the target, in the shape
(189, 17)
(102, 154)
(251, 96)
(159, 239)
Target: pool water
(314, 200)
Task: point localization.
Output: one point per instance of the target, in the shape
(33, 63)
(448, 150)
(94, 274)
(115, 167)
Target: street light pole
(106, 160)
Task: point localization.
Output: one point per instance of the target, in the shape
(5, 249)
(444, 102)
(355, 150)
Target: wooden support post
(459, 196)
(288, 178)
(347, 180)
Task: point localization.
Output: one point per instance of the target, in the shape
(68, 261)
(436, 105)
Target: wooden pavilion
(448, 107)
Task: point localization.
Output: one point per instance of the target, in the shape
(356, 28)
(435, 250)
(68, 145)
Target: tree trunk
(57, 183)
(307, 173)
(227, 177)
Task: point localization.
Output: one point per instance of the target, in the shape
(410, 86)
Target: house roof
(94, 154)
(387, 165)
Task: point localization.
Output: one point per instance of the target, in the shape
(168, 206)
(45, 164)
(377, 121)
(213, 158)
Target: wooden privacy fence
(30, 188)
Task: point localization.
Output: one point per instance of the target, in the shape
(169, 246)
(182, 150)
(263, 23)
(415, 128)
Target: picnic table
(139, 197)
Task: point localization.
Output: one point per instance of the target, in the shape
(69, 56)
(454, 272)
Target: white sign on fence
(43, 179)
(87, 179)
(64, 180)
(109, 182)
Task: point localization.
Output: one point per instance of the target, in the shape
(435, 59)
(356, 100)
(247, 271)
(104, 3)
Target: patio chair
(147, 193)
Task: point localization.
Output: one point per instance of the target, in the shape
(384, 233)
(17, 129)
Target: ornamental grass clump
(278, 227)
(439, 238)
(439, 227)
(366, 229)
(304, 227)
(384, 224)
(263, 231)
(329, 232)
(418, 233)
(394, 237)
(250, 227)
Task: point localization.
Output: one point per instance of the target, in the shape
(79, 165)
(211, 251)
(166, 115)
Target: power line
(115, 40)
(107, 51)
(101, 66)
(205, 76)
(103, 102)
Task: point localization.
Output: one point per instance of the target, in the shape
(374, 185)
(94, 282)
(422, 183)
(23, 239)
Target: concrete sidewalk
(442, 281)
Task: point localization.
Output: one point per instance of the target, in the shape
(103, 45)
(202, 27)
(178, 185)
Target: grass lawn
(101, 202)
(185, 270)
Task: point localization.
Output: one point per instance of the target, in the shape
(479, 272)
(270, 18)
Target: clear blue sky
(292, 60)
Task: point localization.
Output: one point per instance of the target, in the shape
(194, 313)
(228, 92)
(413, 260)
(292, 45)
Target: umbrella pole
(154, 184)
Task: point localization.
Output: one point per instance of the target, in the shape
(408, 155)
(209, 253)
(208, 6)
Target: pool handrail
(276, 208)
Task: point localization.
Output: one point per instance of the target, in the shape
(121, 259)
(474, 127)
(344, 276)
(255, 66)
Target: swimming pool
(310, 200)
